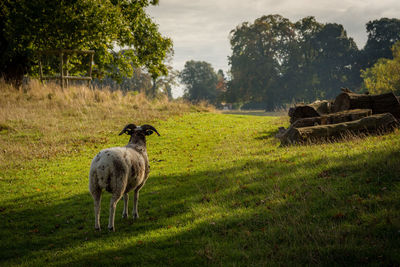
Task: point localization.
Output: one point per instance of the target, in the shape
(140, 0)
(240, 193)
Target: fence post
(40, 68)
(64, 76)
(66, 70)
(62, 69)
(90, 68)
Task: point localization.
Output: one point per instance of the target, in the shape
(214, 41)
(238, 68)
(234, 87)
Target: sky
(200, 29)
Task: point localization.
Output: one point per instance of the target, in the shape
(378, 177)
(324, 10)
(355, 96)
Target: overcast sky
(200, 29)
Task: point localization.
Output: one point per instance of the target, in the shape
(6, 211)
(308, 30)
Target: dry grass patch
(41, 121)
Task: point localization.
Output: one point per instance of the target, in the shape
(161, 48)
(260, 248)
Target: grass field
(221, 192)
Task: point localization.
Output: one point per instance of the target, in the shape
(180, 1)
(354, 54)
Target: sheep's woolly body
(118, 170)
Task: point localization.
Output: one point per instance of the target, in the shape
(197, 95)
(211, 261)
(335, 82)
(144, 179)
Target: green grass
(221, 192)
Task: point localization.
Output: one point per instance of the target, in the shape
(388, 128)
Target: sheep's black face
(138, 133)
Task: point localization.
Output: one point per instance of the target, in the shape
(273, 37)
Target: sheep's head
(138, 133)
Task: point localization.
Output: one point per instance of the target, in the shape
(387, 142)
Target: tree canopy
(28, 26)
(200, 80)
(384, 75)
(275, 61)
(382, 35)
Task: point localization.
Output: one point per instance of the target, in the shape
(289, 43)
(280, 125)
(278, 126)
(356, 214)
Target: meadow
(221, 191)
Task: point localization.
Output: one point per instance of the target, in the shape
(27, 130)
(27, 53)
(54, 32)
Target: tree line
(275, 62)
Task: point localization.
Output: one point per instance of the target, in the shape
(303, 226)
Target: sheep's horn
(128, 126)
(149, 127)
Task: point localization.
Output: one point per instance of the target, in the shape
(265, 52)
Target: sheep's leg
(135, 202)
(113, 205)
(96, 194)
(126, 201)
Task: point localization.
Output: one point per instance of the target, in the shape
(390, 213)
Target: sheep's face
(138, 133)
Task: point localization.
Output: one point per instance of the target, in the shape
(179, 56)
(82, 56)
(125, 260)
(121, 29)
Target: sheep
(119, 170)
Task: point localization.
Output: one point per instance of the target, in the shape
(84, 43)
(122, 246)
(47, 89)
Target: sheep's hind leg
(135, 202)
(113, 205)
(126, 201)
(96, 194)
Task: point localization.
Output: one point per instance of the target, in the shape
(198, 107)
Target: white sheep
(119, 170)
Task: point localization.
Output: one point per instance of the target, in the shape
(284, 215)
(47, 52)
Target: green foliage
(200, 80)
(221, 192)
(143, 81)
(384, 75)
(335, 63)
(101, 25)
(382, 35)
(275, 61)
(139, 81)
(259, 53)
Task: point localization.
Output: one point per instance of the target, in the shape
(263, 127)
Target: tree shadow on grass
(41, 223)
(267, 134)
(268, 214)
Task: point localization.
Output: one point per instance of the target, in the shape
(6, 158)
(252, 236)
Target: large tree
(200, 80)
(28, 26)
(334, 64)
(259, 51)
(299, 80)
(275, 61)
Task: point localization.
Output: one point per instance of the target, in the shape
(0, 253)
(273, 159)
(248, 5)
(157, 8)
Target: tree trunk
(371, 124)
(314, 109)
(346, 101)
(386, 103)
(14, 71)
(382, 103)
(333, 118)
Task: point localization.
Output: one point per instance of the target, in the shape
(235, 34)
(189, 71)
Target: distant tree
(382, 35)
(384, 75)
(30, 25)
(164, 84)
(275, 61)
(142, 81)
(337, 54)
(300, 81)
(259, 53)
(139, 81)
(200, 80)
(221, 87)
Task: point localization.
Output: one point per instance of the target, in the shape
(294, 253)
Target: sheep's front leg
(113, 205)
(126, 201)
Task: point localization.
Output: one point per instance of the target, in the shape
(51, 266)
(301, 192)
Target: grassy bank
(41, 122)
(221, 192)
